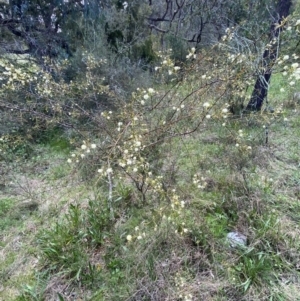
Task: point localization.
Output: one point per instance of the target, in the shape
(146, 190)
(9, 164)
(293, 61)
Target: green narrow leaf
(60, 297)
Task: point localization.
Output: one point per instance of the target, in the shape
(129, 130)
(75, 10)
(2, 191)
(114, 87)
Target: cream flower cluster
(167, 64)
(290, 69)
(242, 141)
(138, 235)
(182, 287)
(192, 54)
(17, 74)
(84, 150)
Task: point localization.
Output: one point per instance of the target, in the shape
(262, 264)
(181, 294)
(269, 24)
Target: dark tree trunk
(261, 86)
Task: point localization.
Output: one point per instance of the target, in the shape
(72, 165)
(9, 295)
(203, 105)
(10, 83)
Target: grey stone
(236, 239)
(296, 97)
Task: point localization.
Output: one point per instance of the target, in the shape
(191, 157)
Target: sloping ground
(62, 240)
(33, 196)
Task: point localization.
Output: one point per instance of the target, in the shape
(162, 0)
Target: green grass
(5, 206)
(31, 200)
(124, 247)
(167, 251)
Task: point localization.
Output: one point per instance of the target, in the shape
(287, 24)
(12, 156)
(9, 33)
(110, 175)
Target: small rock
(296, 97)
(28, 206)
(236, 239)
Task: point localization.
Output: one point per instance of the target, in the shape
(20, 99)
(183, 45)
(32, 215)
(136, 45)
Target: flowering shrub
(124, 140)
(38, 99)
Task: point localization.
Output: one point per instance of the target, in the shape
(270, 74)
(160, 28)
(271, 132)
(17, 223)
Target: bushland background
(135, 136)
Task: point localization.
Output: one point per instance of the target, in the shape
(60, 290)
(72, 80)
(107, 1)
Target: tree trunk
(261, 86)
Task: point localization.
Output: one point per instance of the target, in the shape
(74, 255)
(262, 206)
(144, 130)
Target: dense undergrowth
(112, 194)
(109, 238)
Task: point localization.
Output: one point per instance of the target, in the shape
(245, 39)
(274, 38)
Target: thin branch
(157, 29)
